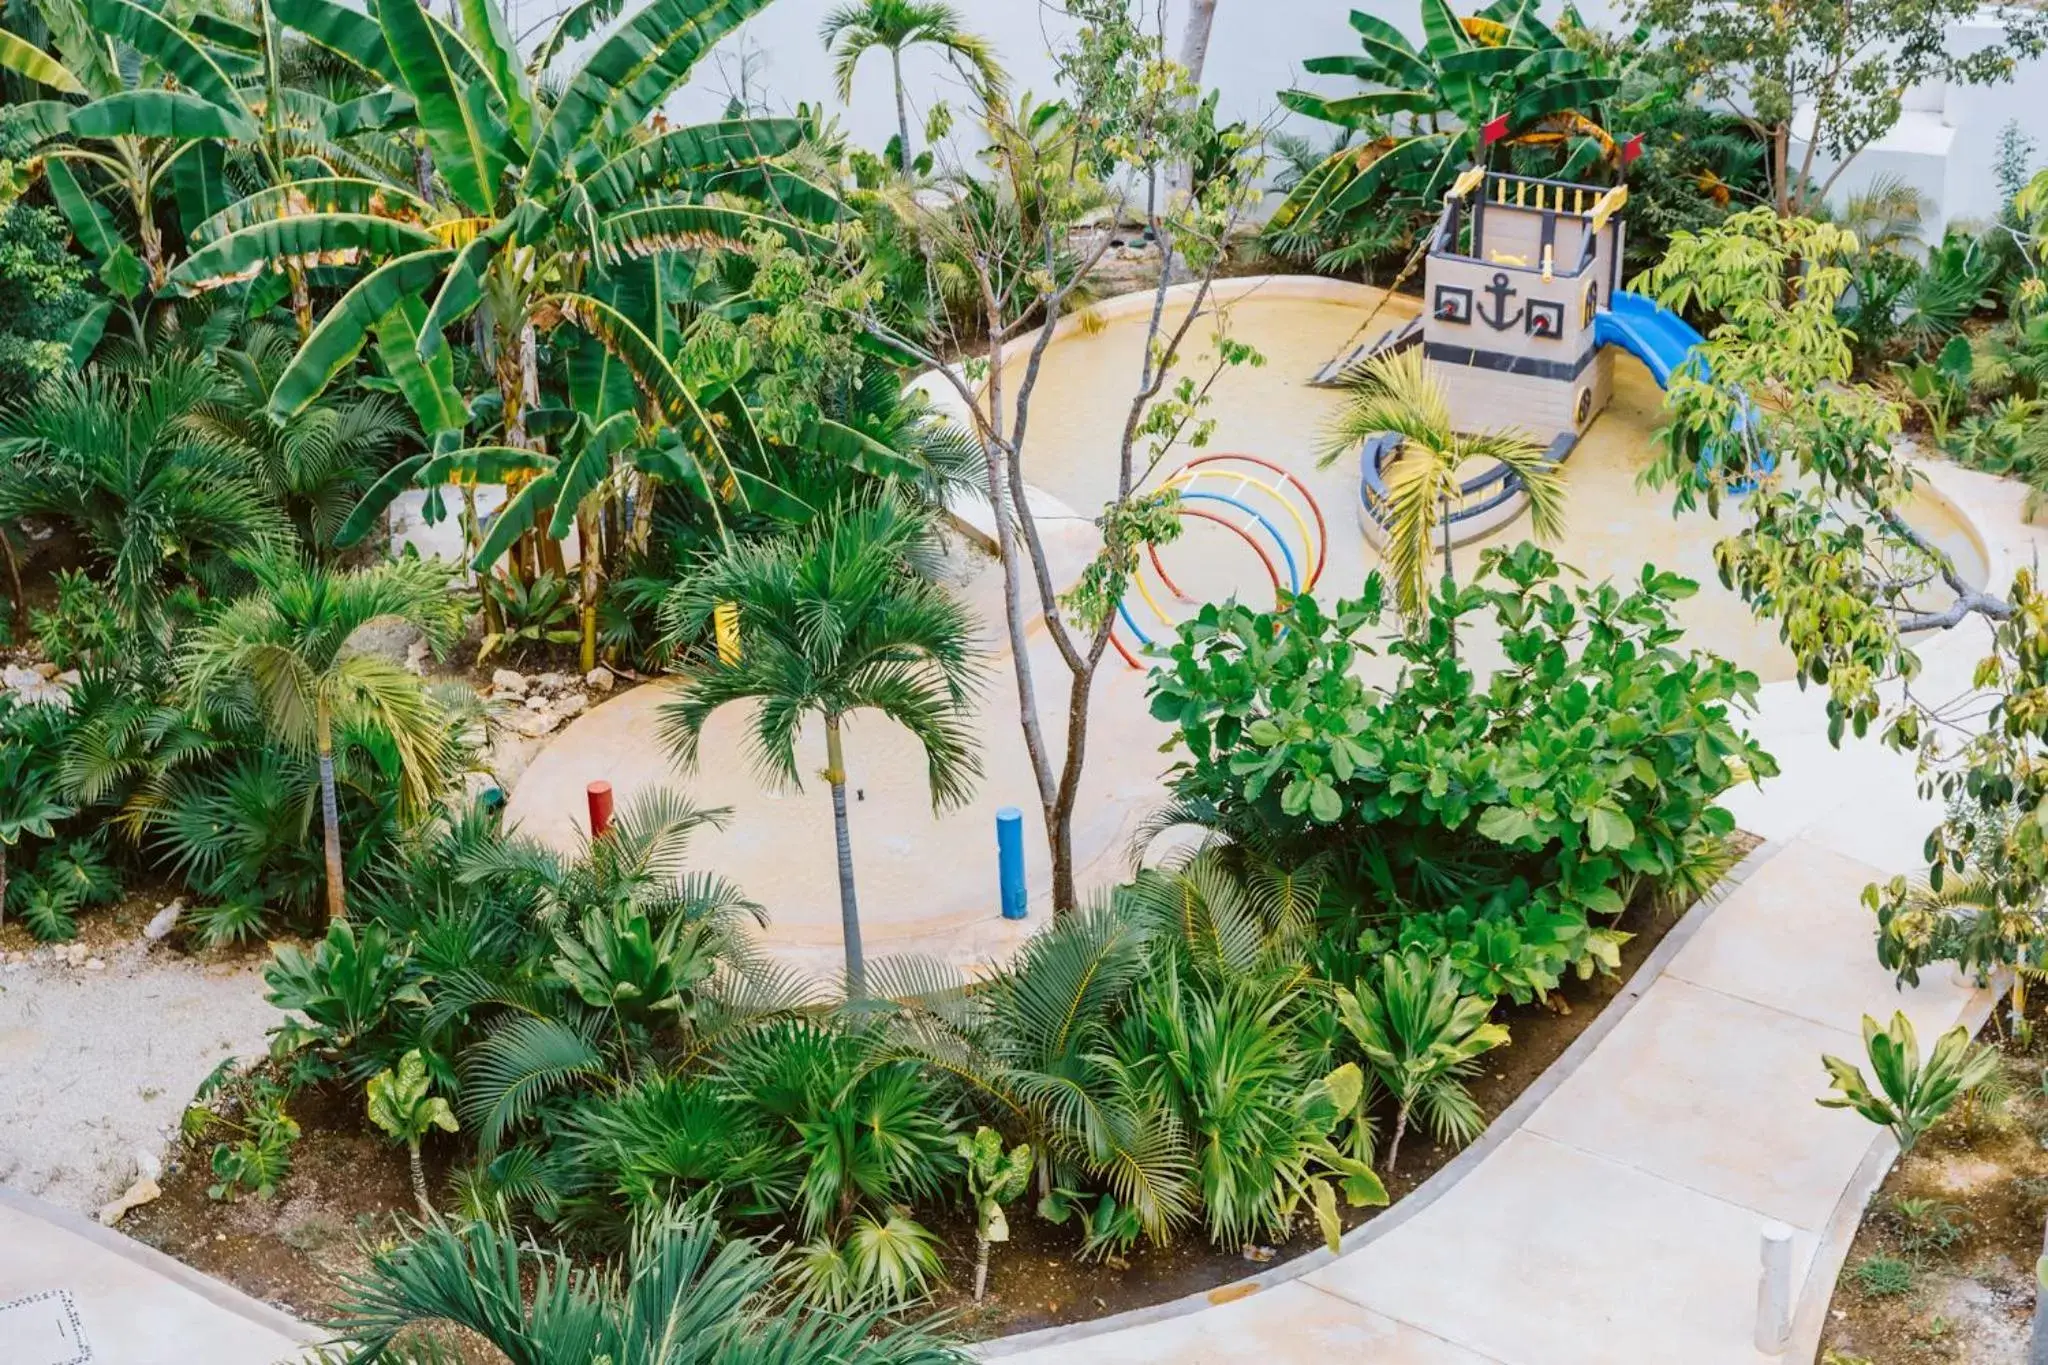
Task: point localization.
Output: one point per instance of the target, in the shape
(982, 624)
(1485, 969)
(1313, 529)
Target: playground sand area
(1613, 526)
(927, 881)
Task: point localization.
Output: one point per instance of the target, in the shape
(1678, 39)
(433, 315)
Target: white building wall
(1945, 144)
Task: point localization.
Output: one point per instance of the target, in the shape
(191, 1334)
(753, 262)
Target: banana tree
(534, 204)
(1433, 110)
(166, 103)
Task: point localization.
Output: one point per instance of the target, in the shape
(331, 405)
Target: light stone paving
(72, 1292)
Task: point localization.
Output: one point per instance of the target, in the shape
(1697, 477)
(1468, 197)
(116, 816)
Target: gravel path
(98, 1061)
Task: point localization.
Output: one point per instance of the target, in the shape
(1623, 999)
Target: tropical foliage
(1503, 821)
(1499, 75)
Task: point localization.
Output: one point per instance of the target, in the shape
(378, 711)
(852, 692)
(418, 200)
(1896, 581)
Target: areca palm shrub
(834, 619)
(282, 652)
(115, 453)
(853, 30)
(1397, 393)
(682, 1296)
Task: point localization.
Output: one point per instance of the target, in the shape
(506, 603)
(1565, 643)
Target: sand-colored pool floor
(1613, 525)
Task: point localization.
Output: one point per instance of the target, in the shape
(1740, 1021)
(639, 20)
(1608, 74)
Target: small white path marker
(1774, 1291)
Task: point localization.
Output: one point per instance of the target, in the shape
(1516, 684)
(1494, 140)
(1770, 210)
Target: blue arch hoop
(1293, 570)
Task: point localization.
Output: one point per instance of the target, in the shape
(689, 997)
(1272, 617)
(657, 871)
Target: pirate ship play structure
(1522, 305)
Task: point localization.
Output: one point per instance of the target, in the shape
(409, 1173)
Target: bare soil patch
(1942, 1268)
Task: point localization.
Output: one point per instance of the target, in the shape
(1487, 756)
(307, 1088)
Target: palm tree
(314, 467)
(1397, 393)
(1420, 1035)
(854, 30)
(682, 1297)
(834, 618)
(114, 453)
(282, 650)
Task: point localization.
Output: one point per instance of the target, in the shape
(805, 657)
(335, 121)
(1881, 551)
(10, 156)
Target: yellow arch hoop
(1184, 478)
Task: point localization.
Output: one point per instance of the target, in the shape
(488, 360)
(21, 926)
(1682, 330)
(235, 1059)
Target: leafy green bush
(1502, 822)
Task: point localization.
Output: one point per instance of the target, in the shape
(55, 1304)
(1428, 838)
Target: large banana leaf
(579, 474)
(579, 21)
(340, 29)
(695, 227)
(484, 22)
(1486, 63)
(650, 368)
(519, 515)
(431, 470)
(1577, 92)
(36, 121)
(171, 115)
(427, 385)
(787, 192)
(91, 224)
(85, 333)
(322, 194)
(228, 259)
(24, 58)
(198, 178)
(629, 75)
(164, 43)
(380, 110)
(462, 290)
(376, 498)
(688, 151)
(1388, 46)
(485, 464)
(1361, 111)
(466, 150)
(1442, 33)
(850, 446)
(340, 335)
(222, 32)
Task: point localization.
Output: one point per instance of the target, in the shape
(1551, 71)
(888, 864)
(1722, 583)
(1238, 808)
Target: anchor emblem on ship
(1500, 291)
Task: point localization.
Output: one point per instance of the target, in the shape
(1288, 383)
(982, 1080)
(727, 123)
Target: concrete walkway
(72, 1292)
(1615, 1214)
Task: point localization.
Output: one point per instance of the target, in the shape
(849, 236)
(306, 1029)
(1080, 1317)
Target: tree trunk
(980, 1267)
(419, 1179)
(1059, 823)
(330, 817)
(18, 611)
(1194, 41)
(849, 909)
(1781, 150)
(902, 113)
(587, 552)
(1394, 1147)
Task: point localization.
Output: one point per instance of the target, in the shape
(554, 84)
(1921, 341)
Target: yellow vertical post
(725, 624)
(1521, 193)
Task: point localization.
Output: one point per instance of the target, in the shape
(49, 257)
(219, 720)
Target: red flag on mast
(1493, 131)
(1631, 149)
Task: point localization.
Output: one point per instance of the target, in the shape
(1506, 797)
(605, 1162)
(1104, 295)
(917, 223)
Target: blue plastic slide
(1665, 343)
(1648, 331)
